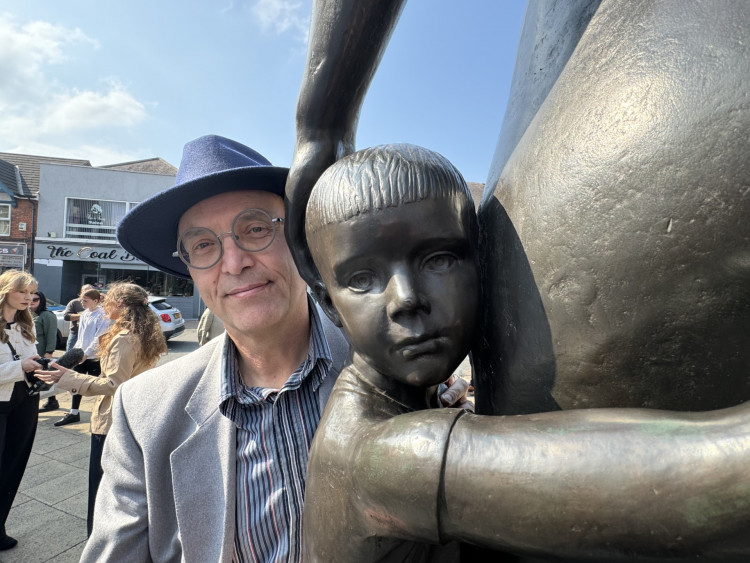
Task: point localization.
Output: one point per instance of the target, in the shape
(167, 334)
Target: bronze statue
(614, 237)
(393, 234)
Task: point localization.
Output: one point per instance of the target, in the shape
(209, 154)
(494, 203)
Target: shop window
(4, 220)
(155, 282)
(93, 218)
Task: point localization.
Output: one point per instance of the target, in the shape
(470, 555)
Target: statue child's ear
(320, 293)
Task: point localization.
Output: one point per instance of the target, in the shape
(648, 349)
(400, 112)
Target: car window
(161, 305)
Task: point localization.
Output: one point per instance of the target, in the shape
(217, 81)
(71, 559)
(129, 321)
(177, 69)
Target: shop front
(12, 256)
(62, 268)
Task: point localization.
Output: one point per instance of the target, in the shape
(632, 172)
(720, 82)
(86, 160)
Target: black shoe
(7, 542)
(68, 419)
(50, 404)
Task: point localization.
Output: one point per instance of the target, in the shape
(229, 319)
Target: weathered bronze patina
(615, 263)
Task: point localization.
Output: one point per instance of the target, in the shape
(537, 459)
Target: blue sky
(118, 81)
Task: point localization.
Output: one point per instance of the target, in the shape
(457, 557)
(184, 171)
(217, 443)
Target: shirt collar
(315, 367)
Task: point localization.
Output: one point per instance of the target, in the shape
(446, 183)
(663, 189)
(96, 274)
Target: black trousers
(95, 475)
(18, 419)
(89, 367)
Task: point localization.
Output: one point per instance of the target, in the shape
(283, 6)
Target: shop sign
(12, 255)
(84, 253)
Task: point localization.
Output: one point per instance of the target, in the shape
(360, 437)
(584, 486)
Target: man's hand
(455, 394)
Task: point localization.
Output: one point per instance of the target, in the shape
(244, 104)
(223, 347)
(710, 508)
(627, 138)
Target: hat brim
(149, 230)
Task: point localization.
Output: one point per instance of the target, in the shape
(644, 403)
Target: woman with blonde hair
(18, 409)
(132, 345)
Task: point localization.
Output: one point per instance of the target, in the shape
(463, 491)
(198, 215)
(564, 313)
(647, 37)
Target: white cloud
(283, 15)
(39, 113)
(24, 51)
(76, 110)
(227, 8)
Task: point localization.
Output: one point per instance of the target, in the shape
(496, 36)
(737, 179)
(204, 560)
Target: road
(181, 344)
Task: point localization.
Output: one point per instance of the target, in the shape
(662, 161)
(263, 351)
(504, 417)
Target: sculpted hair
(16, 280)
(137, 318)
(384, 176)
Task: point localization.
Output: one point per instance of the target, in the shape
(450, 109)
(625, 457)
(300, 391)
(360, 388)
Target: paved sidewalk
(48, 517)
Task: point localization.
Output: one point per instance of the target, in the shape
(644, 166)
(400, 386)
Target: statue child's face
(403, 282)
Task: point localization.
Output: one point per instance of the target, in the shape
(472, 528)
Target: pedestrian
(72, 314)
(132, 345)
(45, 324)
(93, 322)
(18, 409)
(209, 327)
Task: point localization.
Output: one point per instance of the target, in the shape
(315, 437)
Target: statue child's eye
(361, 281)
(439, 262)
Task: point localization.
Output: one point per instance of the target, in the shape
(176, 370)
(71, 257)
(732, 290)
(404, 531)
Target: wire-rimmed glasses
(252, 230)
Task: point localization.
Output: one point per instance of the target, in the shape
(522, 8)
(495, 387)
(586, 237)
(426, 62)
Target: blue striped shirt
(274, 432)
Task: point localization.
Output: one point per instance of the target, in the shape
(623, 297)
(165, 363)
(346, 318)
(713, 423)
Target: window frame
(9, 218)
(101, 233)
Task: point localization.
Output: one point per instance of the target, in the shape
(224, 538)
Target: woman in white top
(92, 323)
(18, 409)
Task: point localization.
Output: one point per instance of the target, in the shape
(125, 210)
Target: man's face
(404, 283)
(252, 292)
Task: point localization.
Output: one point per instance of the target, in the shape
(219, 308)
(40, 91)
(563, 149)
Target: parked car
(170, 319)
(63, 326)
(54, 306)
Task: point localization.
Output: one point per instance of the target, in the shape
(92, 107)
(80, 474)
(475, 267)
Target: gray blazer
(168, 491)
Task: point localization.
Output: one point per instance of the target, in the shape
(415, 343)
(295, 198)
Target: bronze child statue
(393, 234)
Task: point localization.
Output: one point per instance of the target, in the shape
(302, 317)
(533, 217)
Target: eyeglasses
(253, 230)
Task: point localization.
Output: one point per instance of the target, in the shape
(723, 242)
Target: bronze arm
(347, 40)
(601, 484)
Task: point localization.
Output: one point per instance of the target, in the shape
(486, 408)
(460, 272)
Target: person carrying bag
(18, 408)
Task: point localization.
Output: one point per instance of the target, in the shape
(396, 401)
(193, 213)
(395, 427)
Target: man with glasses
(207, 455)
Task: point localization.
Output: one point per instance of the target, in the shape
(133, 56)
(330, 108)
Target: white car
(170, 319)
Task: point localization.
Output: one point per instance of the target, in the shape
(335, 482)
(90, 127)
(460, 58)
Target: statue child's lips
(412, 348)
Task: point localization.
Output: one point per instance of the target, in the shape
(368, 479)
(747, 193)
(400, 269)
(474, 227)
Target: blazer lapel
(203, 473)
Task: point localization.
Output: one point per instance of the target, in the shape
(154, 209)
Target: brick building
(58, 219)
(19, 207)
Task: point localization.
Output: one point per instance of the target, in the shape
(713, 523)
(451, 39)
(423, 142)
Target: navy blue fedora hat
(210, 165)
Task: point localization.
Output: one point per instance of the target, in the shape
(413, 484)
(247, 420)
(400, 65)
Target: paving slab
(43, 531)
(57, 489)
(77, 505)
(72, 452)
(48, 517)
(44, 472)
